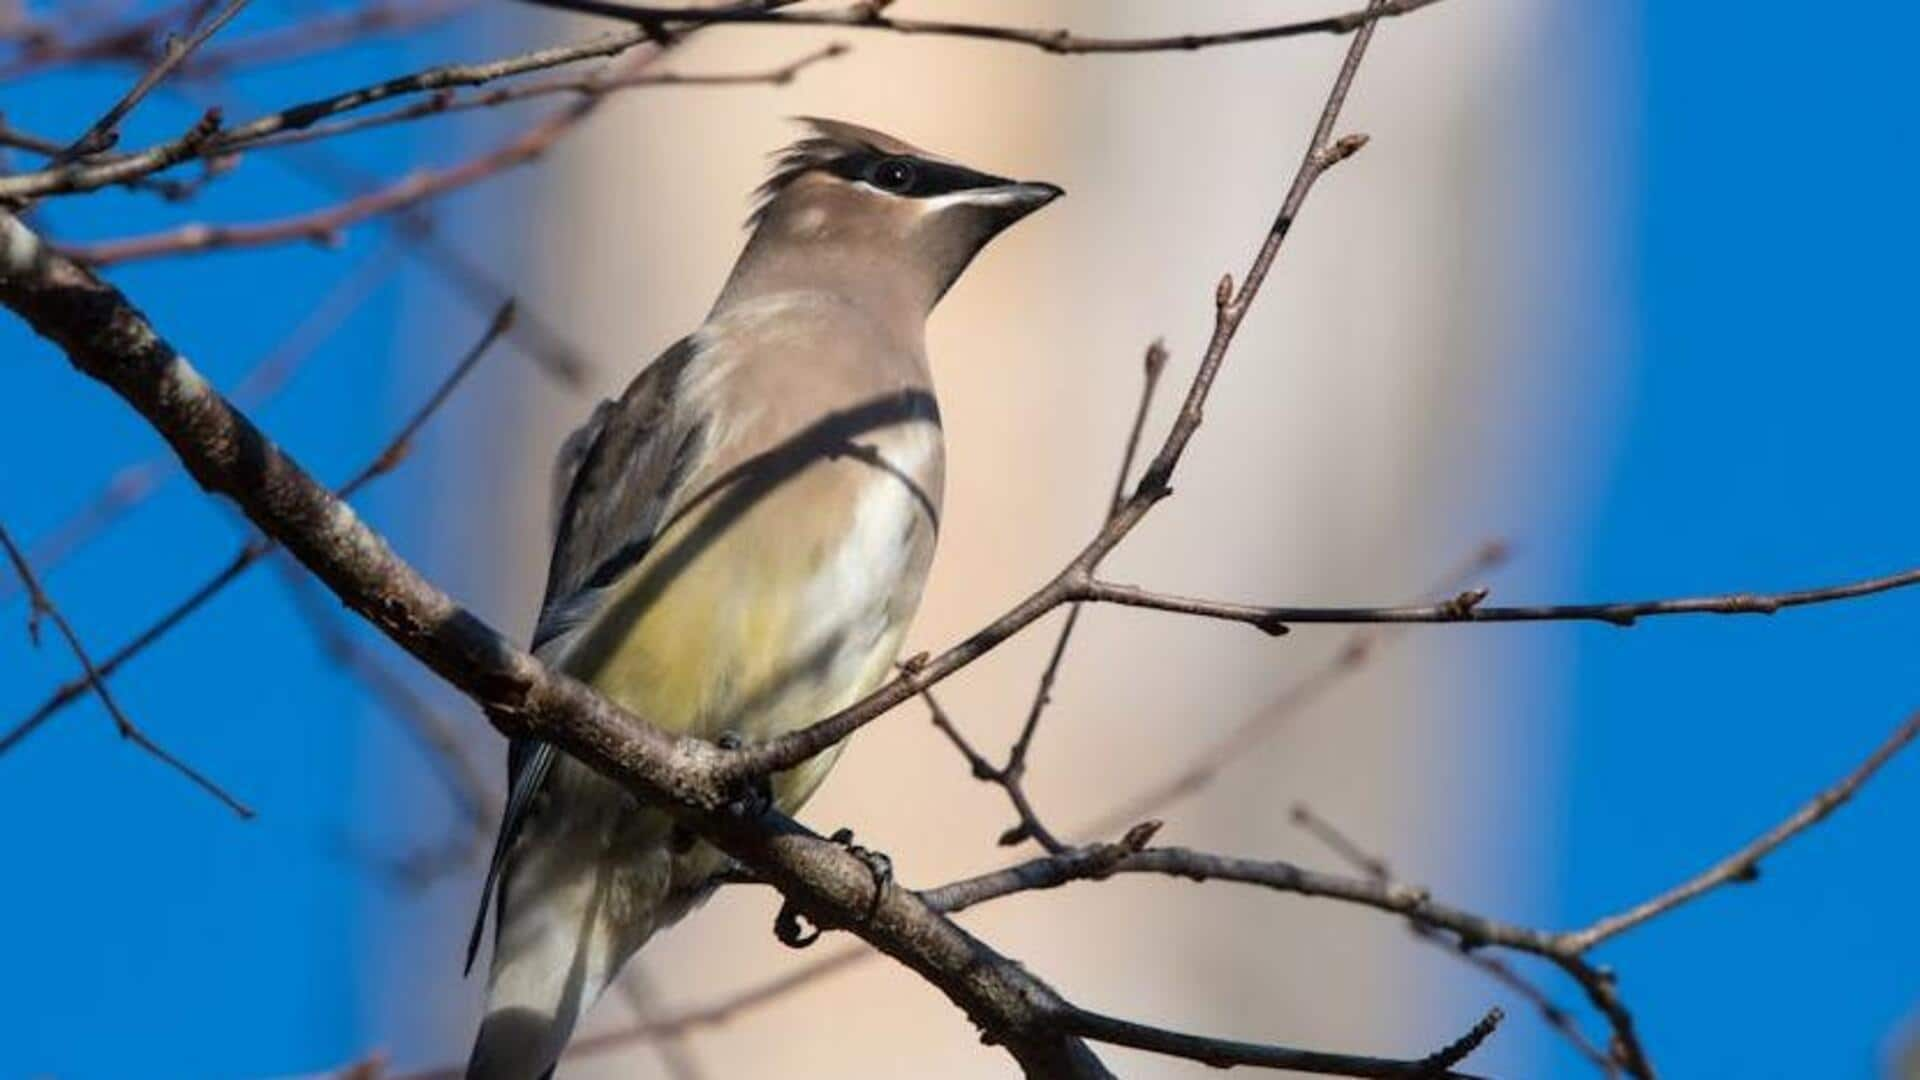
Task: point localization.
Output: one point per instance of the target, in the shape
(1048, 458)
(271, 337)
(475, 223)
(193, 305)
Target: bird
(741, 544)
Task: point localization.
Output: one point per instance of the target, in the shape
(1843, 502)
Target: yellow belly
(742, 621)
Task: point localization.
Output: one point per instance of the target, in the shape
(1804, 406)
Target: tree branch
(132, 485)
(1227, 1053)
(1271, 718)
(325, 224)
(43, 607)
(870, 16)
(1744, 864)
(1376, 868)
(1230, 309)
(80, 177)
(105, 337)
(1467, 606)
(105, 131)
(256, 548)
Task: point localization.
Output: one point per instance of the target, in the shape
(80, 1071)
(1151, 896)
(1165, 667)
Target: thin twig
(438, 736)
(1323, 151)
(43, 607)
(1377, 868)
(1227, 1053)
(869, 16)
(1271, 718)
(1468, 606)
(1469, 929)
(134, 484)
(257, 548)
(597, 83)
(1744, 864)
(130, 40)
(80, 176)
(473, 282)
(106, 131)
(322, 32)
(690, 778)
(325, 225)
(1012, 775)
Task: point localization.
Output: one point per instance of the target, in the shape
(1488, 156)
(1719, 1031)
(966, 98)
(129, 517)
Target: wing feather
(620, 472)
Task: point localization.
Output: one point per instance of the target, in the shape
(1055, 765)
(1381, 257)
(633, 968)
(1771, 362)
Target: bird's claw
(791, 927)
(877, 863)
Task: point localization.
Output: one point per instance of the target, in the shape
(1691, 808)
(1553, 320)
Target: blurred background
(1621, 289)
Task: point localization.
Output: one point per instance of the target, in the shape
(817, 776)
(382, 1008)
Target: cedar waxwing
(742, 544)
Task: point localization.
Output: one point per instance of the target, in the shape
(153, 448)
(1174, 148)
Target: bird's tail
(565, 928)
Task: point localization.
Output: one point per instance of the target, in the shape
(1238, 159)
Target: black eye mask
(910, 177)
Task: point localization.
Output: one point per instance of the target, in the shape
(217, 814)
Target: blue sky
(1762, 440)
(154, 916)
(1765, 441)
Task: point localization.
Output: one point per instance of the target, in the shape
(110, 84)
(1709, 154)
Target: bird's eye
(893, 174)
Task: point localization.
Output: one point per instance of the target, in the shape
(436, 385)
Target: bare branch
(1011, 777)
(1230, 309)
(322, 33)
(105, 337)
(1744, 865)
(1013, 774)
(324, 225)
(473, 282)
(42, 607)
(256, 548)
(1467, 607)
(106, 131)
(437, 735)
(134, 484)
(1271, 719)
(80, 177)
(47, 47)
(870, 16)
(1227, 1053)
(597, 83)
(1375, 867)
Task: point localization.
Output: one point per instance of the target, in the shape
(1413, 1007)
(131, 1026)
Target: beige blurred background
(1345, 458)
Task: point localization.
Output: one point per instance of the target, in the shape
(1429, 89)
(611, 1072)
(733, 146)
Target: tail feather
(566, 925)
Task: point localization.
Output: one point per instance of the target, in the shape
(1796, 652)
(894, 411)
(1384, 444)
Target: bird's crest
(826, 142)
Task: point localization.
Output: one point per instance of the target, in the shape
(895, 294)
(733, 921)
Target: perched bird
(741, 546)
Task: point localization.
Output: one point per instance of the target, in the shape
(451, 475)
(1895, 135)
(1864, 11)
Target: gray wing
(619, 473)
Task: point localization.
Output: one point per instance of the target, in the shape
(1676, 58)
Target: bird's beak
(1024, 197)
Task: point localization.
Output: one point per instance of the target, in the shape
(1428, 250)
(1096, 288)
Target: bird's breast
(782, 593)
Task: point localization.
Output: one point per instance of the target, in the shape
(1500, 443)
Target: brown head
(852, 210)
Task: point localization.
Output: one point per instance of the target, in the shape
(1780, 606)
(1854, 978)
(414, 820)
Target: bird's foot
(791, 926)
(878, 865)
